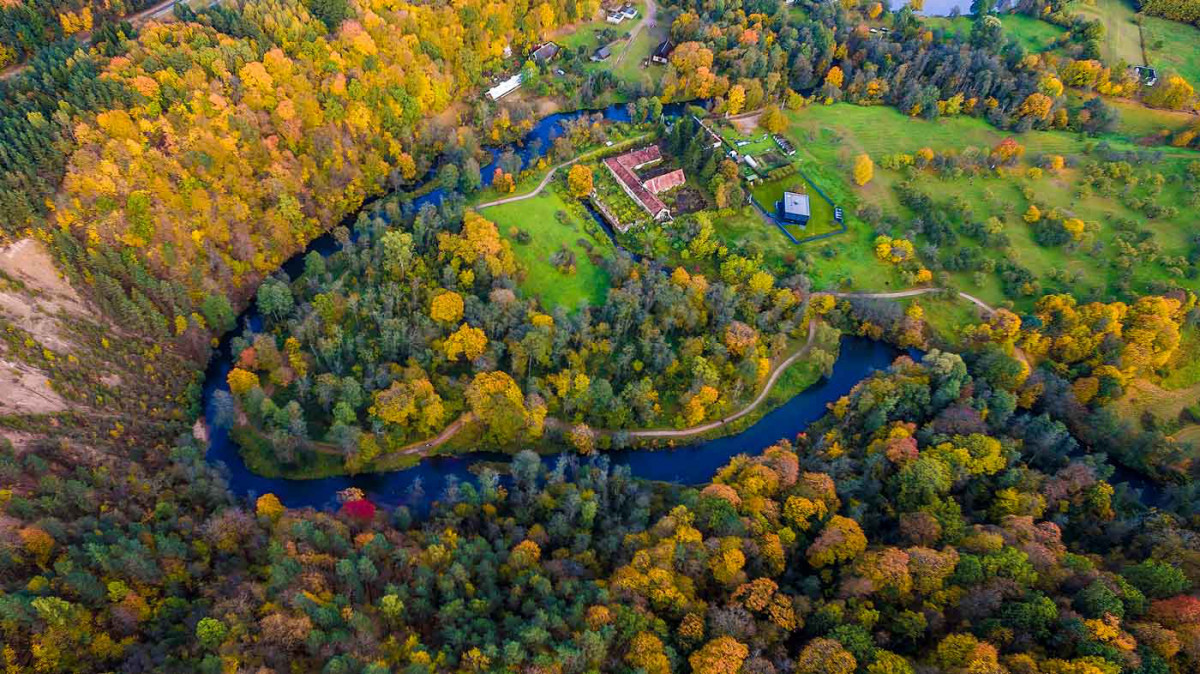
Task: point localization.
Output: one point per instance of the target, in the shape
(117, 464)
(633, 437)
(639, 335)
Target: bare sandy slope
(35, 298)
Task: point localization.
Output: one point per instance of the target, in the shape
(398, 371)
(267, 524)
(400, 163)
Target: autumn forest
(573, 336)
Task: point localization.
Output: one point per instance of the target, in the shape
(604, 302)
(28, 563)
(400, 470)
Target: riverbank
(787, 378)
(691, 463)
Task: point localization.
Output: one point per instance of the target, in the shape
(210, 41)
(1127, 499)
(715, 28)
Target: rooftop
(795, 204)
(506, 87)
(545, 52)
(622, 168)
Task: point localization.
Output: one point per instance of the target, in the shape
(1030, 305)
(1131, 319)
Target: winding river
(690, 464)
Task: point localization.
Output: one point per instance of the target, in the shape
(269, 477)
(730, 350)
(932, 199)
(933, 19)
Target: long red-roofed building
(623, 169)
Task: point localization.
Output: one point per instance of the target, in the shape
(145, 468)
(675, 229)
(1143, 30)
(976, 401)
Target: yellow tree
(646, 653)
(467, 341)
(446, 307)
(723, 655)
(269, 506)
(772, 120)
(825, 656)
(497, 402)
(835, 77)
(1171, 92)
(736, 100)
(241, 381)
(579, 181)
(864, 169)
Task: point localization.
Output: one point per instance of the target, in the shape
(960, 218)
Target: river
(691, 464)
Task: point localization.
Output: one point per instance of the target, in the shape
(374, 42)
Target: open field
(946, 316)
(1173, 47)
(539, 217)
(630, 68)
(1185, 371)
(1122, 41)
(1139, 121)
(1035, 35)
(829, 137)
(584, 34)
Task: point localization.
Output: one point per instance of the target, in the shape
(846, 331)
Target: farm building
(623, 169)
(794, 208)
(784, 145)
(505, 88)
(662, 52)
(545, 53)
(664, 182)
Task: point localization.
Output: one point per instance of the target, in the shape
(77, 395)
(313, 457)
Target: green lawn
(1034, 34)
(946, 317)
(829, 137)
(630, 68)
(755, 144)
(1122, 41)
(1185, 371)
(1138, 121)
(1173, 47)
(769, 193)
(538, 216)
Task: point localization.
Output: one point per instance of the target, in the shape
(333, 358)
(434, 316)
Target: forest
(260, 250)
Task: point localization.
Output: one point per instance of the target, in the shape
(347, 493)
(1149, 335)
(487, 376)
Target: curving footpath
(554, 169)
(529, 195)
(762, 396)
(913, 293)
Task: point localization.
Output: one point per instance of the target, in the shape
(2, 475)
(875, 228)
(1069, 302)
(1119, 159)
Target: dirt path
(913, 293)
(762, 396)
(550, 174)
(650, 18)
(448, 432)
(528, 195)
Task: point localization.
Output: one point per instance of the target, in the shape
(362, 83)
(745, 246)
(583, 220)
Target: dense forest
(933, 521)
(1007, 497)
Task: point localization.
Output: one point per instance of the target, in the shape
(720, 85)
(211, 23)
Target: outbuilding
(794, 207)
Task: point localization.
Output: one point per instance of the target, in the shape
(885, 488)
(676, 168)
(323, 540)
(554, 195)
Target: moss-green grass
(1035, 35)
(1173, 47)
(1139, 121)
(946, 317)
(829, 137)
(537, 216)
(1122, 42)
(630, 68)
(1185, 371)
(260, 458)
(768, 194)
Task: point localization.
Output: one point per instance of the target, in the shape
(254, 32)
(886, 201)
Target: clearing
(549, 225)
(1123, 41)
(1172, 47)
